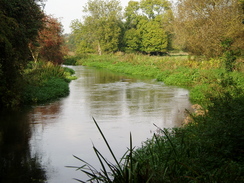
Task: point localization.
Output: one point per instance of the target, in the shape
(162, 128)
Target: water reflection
(50, 134)
(16, 163)
(131, 98)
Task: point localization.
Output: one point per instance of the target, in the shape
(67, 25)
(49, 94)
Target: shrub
(45, 81)
(51, 89)
(70, 60)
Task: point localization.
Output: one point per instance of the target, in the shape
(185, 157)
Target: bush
(70, 60)
(45, 81)
(51, 89)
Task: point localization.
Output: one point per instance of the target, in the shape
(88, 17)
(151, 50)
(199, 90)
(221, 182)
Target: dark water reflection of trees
(16, 163)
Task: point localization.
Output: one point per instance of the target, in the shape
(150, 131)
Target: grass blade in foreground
(122, 171)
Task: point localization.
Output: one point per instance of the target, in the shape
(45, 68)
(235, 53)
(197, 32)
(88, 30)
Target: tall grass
(121, 171)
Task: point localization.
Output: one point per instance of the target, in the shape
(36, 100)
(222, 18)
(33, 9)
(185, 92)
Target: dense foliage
(143, 28)
(155, 27)
(20, 21)
(146, 26)
(45, 82)
(49, 46)
(100, 32)
(203, 26)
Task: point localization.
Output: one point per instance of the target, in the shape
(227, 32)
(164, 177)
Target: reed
(125, 170)
(209, 149)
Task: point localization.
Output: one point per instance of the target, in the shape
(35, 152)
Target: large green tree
(101, 29)
(147, 24)
(20, 21)
(154, 37)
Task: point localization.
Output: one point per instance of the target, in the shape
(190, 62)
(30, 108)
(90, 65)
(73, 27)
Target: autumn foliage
(49, 46)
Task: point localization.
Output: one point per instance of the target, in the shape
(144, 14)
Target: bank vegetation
(210, 34)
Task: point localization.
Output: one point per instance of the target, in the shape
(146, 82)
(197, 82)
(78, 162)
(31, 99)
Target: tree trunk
(99, 48)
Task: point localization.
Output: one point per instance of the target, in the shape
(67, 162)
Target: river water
(38, 143)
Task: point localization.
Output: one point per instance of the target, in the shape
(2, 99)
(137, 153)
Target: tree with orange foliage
(50, 45)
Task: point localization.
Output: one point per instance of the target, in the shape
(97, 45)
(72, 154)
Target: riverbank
(209, 149)
(201, 77)
(45, 82)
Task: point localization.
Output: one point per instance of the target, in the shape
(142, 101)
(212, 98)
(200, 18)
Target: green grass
(45, 82)
(52, 89)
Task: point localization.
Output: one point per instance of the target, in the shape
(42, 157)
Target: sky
(68, 10)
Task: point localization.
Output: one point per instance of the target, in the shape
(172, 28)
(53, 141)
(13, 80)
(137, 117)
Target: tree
(20, 21)
(101, 28)
(203, 25)
(153, 8)
(51, 41)
(132, 39)
(154, 37)
(146, 26)
(81, 38)
(132, 14)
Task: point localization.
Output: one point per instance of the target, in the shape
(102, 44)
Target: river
(38, 143)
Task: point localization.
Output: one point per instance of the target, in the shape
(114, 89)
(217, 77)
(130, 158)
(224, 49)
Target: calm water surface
(47, 136)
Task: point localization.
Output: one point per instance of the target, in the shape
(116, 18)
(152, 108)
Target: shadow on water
(37, 143)
(16, 163)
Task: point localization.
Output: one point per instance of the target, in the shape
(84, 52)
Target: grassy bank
(208, 149)
(200, 77)
(45, 82)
